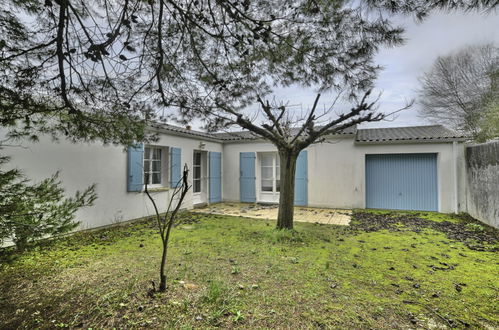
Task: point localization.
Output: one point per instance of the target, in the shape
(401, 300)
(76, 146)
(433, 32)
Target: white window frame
(275, 175)
(163, 166)
(194, 166)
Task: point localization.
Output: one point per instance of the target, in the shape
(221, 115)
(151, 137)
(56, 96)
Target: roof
(431, 133)
(184, 131)
(249, 136)
(236, 136)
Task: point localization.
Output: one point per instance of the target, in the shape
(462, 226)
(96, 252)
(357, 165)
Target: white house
(417, 168)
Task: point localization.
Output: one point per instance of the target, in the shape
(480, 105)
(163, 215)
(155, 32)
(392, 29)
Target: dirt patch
(475, 235)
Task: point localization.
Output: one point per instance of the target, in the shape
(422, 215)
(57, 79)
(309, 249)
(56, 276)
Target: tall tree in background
(460, 87)
(96, 69)
(489, 121)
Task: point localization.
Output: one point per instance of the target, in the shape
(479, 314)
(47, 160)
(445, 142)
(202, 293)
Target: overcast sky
(440, 34)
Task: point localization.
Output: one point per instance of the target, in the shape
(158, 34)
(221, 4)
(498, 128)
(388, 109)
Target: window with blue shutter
(135, 161)
(175, 167)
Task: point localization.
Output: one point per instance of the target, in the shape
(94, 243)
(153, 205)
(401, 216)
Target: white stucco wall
(336, 170)
(482, 178)
(230, 160)
(342, 182)
(336, 175)
(82, 164)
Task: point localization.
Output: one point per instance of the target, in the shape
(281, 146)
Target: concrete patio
(269, 212)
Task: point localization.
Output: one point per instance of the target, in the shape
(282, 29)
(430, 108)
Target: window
(152, 166)
(196, 186)
(270, 172)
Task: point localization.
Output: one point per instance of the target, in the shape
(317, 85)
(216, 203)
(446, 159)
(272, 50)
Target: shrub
(32, 211)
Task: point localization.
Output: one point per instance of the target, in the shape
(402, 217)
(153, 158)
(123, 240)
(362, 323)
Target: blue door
(402, 182)
(135, 167)
(247, 179)
(301, 179)
(215, 177)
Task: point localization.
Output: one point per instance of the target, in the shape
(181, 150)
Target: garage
(402, 181)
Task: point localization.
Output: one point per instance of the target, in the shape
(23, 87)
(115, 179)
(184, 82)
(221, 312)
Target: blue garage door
(402, 182)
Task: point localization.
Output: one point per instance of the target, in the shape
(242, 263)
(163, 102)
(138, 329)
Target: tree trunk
(287, 189)
(21, 239)
(21, 244)
(162, 276)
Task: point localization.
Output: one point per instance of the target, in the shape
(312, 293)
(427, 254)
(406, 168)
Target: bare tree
(489, 122)
(291, 133)
(455, 91)
(166, 221)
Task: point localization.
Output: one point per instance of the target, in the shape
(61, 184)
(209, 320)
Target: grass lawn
(387, 270)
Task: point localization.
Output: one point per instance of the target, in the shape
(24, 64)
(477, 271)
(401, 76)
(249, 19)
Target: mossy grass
(313, 276)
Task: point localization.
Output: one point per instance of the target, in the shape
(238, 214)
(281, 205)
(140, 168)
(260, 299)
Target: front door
(269, 177)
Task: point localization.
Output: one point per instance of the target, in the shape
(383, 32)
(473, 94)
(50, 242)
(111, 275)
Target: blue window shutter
(301, 179)
(175, 167)
(247, 180)
(215, 179)
(135, 167)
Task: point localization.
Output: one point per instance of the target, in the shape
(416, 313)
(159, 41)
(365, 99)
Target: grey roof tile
(247, 135)
(236, 136)
(430, 133)
(183, 131)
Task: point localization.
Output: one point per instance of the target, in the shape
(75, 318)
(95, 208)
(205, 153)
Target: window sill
(157, 189)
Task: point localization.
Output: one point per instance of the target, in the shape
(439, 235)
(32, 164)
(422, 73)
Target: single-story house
(413, 168)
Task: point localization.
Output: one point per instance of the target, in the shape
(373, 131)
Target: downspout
(455, 170)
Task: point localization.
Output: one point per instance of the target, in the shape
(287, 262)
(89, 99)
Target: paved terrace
(269, 212)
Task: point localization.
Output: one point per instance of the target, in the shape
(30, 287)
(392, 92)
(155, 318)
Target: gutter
(410, 141)
(259, 139)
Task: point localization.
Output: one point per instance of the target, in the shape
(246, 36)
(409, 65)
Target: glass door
(196, 167)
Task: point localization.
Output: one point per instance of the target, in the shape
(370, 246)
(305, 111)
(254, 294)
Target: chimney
(188, 127)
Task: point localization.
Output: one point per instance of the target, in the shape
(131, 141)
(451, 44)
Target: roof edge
(192, 134)
(235, 138)
(409, 141)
